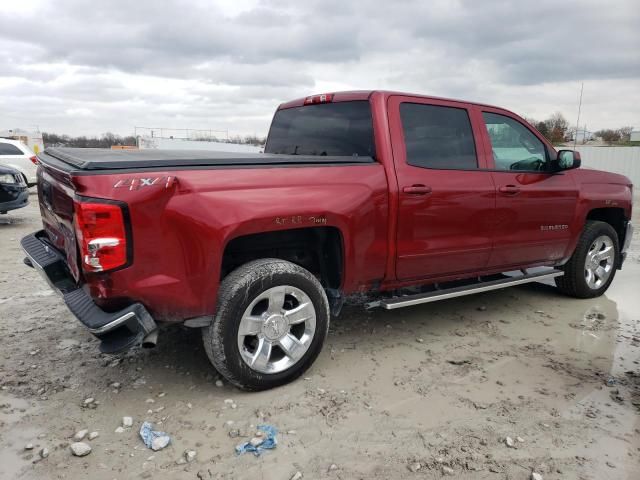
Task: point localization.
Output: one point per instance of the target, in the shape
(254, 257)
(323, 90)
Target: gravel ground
(496, 385)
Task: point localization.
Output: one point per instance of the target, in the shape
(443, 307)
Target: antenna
(575, 137)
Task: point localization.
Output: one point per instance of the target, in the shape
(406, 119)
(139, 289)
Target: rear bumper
(117, 331)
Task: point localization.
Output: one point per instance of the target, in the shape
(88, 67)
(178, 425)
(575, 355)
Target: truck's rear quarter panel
(180, 232)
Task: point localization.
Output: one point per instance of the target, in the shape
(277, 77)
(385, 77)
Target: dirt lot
(424, 392)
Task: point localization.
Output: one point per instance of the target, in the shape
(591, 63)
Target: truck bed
(95, 159)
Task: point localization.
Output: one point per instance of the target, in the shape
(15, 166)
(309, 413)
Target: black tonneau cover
(105, 159)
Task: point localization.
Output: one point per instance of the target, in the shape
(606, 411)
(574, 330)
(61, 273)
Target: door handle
(509, 189)
(417, 189)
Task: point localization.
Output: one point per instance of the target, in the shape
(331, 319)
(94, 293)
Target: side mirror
(568, 159)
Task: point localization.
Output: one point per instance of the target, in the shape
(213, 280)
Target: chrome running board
(410, 300)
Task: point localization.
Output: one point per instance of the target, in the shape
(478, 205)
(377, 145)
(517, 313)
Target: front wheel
(271, 321)
(591, 268)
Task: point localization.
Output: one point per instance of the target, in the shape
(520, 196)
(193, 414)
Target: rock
(44, 452)
(190, 455)
(115, 385)
(482, 308)
(150, 400)
(333, 467)
(255, 441)
(509, 442)
(159, 443)
(447, 470)
(161, 394)
(228, 401)
(80, 449)
(88, 401)
(414, 467)
(80, 434)
(610, 465)
(119, 430)
(93, 435)
(28, 446)
(219, 383)
(419, 340)
(234, 433)
(204, 474)
(536, 476)
(458, 362)
(520, 439)
(296, 476)
(127, 422)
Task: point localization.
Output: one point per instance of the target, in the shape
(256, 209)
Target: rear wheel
(592, 267)
(271, 322)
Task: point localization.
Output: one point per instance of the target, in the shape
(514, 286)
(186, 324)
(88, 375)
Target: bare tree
(625, 133)
(557, 127)
(609, 136)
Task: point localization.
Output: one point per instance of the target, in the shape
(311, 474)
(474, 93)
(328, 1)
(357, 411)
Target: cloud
(80, 67)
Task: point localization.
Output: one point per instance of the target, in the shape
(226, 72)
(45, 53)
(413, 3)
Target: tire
(249, 296)
(575, 281)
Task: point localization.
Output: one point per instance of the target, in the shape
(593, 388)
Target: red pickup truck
(407, 198)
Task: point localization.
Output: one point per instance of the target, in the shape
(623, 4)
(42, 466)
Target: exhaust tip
(150, 340)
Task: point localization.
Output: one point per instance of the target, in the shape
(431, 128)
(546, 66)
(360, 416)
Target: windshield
(332, 129)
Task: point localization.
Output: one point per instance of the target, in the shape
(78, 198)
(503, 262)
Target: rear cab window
(341, 129)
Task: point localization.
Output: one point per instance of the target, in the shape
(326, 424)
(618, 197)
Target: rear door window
(8, 149)
(438, 137)
(328, 129)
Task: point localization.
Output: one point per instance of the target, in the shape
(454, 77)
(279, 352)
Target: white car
(16, 154)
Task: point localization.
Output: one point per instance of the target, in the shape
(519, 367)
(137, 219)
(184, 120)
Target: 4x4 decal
(138, 183)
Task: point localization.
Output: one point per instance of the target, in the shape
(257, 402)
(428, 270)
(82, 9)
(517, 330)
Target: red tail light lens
(102, 236)
(34, 160)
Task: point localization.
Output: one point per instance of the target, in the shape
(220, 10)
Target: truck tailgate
(55, 196)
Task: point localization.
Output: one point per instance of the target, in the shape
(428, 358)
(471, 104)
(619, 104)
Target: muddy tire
(271, 322)
(592, 267)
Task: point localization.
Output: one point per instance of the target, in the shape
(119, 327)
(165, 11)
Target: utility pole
(575, 138)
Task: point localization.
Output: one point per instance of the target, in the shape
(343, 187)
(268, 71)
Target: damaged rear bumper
(117, 331)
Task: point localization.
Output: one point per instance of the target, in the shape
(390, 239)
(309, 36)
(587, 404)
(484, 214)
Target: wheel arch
(318, 249)
(614, 216)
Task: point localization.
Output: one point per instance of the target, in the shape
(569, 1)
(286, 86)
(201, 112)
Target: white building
(33, 140)
(635, 136)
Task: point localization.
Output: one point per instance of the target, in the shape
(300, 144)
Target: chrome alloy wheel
(276, 329)
(599, 263)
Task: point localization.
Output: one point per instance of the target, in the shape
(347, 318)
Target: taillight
(34, 160)
(323, 98)
(101, 234)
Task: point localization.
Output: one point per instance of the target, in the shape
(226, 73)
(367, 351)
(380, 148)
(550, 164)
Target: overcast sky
(87, 67)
